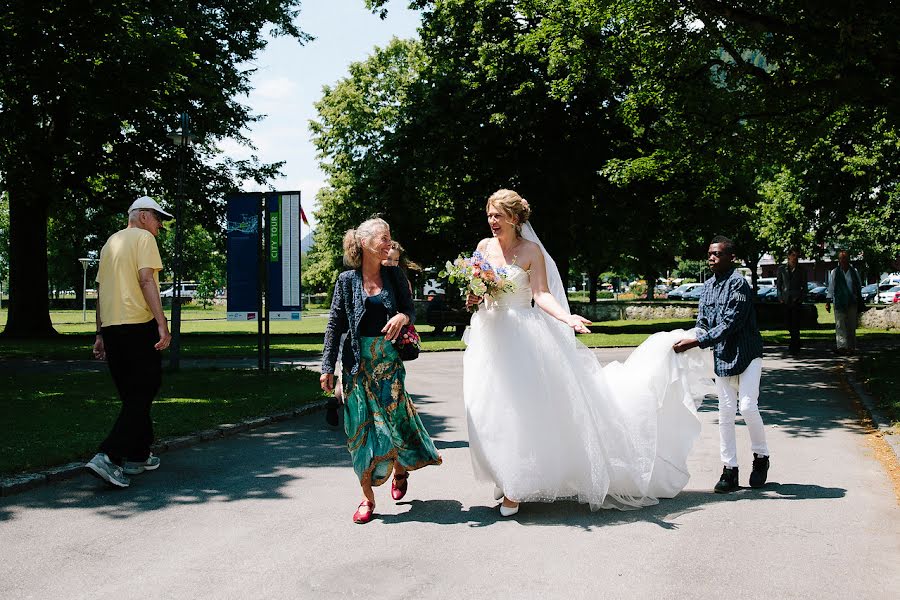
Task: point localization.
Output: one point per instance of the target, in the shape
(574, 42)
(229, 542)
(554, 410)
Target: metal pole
(83, 292)
(268, 250)
(84, 265)
(175, 347)
(260, 264)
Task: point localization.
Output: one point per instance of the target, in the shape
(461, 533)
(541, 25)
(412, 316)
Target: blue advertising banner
(284, 255)
(243, 256)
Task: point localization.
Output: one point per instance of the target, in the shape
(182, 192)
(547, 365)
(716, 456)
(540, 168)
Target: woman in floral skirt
(371, 303)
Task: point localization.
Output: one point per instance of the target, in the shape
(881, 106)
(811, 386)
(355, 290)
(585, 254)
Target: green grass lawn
(206, 334)
(50, 418)
(54, 417)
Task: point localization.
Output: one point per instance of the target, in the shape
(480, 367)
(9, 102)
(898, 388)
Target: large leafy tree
(85, 115)
(425, 131)
(717, 98)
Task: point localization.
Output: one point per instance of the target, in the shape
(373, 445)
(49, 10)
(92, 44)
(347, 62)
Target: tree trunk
(29, 305)
(594, 275)
(651, 283)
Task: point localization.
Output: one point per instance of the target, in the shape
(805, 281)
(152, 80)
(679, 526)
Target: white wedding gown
(547, 421)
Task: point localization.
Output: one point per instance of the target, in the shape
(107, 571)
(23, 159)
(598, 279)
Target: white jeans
(740, 390)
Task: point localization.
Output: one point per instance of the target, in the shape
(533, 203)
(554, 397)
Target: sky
(289, 80)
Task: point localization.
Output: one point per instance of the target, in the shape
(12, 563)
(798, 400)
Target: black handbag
(407, 343)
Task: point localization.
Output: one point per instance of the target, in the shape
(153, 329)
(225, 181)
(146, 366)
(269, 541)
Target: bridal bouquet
(475, 275)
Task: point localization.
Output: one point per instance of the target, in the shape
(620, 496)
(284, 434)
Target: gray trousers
(845, 322)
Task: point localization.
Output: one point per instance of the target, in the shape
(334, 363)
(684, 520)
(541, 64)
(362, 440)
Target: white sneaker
(136, 468)
(101, 466)
(508, 511)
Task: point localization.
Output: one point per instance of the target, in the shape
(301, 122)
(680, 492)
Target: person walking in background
(131, 331)
(727, 322)
(791, 285)
(371, 304)
(845, 291)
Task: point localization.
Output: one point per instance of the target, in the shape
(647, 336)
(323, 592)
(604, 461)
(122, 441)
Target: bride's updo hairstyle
(512, 204)
(356, 239)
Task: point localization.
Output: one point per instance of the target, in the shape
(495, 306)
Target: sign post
(264, 262)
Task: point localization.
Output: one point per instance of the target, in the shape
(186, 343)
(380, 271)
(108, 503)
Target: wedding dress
(547, 421)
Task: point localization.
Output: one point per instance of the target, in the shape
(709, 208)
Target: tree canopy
(87, 97)
(637, 129)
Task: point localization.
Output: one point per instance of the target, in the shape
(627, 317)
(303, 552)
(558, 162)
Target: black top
(375, 317)
(348, 307)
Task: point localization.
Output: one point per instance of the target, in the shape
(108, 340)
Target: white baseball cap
(148, 203)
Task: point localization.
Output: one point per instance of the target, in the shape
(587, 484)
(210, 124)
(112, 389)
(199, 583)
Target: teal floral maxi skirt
(380, 420)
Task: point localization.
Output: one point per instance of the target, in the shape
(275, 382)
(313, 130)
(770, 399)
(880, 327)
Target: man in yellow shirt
(131, 332)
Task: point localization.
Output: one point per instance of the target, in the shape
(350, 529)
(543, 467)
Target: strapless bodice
(520, 297)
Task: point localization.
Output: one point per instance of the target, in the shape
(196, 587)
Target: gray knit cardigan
(348, 306)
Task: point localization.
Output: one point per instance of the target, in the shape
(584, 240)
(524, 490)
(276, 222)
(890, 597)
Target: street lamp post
(182, 137)
(84, 265)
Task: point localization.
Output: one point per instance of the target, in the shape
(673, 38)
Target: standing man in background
(131, 332)
(791, 285)
(845, 290)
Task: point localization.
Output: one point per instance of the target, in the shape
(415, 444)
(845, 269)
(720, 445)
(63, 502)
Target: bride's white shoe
(508, 511)
(498, 493)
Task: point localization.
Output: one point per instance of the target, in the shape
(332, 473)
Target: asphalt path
(267, 514)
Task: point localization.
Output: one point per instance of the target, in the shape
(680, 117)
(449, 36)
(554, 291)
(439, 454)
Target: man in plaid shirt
(727, 323)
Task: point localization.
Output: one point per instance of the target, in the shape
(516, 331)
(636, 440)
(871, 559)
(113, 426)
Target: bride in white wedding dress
(545, 419)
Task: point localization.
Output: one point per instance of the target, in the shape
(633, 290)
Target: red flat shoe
(361, 517)
(399, 485)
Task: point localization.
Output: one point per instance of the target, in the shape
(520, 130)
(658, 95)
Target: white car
(432, 287)
(765, 281)
(679, 292)
(188, 290)
(890, 296)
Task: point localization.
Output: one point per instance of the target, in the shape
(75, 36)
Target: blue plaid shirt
(727, 321)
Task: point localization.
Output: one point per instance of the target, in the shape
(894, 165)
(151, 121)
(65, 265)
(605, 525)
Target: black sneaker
(728, 482)
(760, 470)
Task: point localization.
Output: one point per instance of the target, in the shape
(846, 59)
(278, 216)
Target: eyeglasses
(717, 253)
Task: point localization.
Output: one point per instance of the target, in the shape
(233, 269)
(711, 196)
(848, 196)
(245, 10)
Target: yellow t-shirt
(124, 254)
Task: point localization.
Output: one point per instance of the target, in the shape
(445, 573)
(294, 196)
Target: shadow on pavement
(572, 514)
(803, 397)
(255, 465)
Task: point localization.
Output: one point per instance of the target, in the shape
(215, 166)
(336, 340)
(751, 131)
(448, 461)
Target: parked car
(870, 293)
(679, 292)
(693, 294)
(765, 281)
(817, 294)
(890, 296)
(892, 280)
(188, 290)
(767, 293)
(432, 287)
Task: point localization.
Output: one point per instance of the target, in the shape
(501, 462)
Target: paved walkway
(267, 515)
